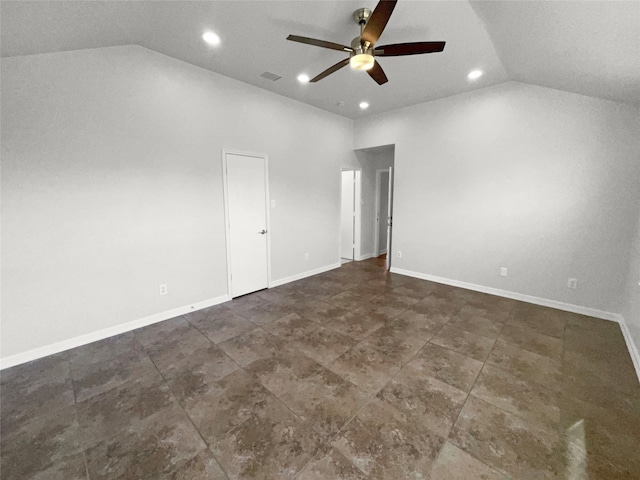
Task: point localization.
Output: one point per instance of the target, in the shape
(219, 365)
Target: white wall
(540, 181)
(112, 185)
(631, 300)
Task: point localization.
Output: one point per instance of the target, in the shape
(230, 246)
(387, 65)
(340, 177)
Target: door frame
(267, 204)
(376, 233)
(392, 192)
(357, 232)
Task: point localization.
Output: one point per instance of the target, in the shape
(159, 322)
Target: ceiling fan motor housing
(361, 51)
(361, 16)
(360, 46)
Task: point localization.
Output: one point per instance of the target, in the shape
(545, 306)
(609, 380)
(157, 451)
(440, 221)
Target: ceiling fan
(363, 51)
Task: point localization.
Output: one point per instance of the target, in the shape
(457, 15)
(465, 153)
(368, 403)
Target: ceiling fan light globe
(362, 61)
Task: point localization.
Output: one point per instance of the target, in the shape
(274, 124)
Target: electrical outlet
(306, 256)
(399, 254)
(503, 271)
(163, 289)
(572, 283)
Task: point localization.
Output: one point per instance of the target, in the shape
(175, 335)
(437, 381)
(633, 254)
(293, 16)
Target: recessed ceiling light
(364, 105)
(474, 74)
(303, 78)
(211, 38)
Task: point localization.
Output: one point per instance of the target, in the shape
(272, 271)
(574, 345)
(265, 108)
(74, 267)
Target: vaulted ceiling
(586, 47)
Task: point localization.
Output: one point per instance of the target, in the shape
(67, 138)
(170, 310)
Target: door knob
(262, 232)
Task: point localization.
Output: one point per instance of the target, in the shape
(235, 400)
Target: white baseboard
(567, 307)
(300, 276)
(80, 340)
(631, 346)
(364, 257)
(382, 252)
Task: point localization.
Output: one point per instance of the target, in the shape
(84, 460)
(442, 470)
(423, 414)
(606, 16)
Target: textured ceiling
(585, 47)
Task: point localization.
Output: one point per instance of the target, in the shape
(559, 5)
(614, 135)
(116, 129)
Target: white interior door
(247, 223)
(389, 218)
(347, 235)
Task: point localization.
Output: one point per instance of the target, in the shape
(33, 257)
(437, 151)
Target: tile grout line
(303, 422)
(373, 395)
(175, 398)
(524, 419)
(369, 398)
(86, 463)
(407, 362)
(131, 380)
(240, 367)
(75, 405)
(325, 446)
(469, 395)
(531, 331)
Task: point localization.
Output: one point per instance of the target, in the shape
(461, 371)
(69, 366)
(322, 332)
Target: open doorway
(382, 212)
(350, 216)
(384, 215)
(375, 164)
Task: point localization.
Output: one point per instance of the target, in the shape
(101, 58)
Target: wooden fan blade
(415, 48)
(378, 20)
(319, 43)
(377, 74)
(330, 70)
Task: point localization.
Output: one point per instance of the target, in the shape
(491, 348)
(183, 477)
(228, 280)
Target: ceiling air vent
(270, 76)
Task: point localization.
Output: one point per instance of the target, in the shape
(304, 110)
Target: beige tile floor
(351, 374)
